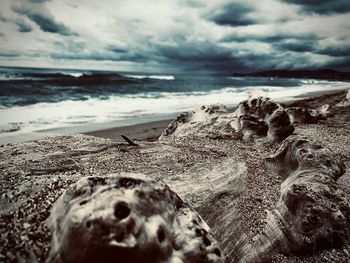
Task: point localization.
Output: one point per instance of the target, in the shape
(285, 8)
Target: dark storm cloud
(227, 62)
(220, 36)
(233, 14)
(340, 63)
(44, 20)
(323, 6)
(202, 56)
(200, 52)
(296, 47)
(335, 51)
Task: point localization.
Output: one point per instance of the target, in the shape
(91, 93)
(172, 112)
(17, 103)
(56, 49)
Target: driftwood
(130, 142)
(128, 218)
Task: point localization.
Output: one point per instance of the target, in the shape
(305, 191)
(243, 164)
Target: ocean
(66, 101)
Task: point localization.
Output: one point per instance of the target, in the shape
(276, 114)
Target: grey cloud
(72, 49)
(23, 26)
(10, 54)
(193, 3)
(98, 57)
(44, 20)
(233, 14)
(3, 19)
(270, 38)
(116, 49)
(323, 6)
(38, 1)
(296, 47)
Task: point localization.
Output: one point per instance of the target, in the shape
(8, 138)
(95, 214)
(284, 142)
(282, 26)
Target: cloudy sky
(176, 35)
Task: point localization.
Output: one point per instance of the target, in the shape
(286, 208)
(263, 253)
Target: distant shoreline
(327, 74)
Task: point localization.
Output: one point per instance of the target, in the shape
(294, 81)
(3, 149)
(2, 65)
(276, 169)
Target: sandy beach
(222, 177)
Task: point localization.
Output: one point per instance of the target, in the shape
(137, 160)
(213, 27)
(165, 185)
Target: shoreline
(147, 131)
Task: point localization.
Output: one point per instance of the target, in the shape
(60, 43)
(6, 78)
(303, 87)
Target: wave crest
(160, 77)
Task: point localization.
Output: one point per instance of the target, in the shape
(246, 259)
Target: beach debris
(346, 101)
(305, 115)
(129, 141)
(262, 118)
(312, 212)
(208, 120)
(127, 217)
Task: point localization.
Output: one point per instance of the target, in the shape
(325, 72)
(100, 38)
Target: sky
(176, 35)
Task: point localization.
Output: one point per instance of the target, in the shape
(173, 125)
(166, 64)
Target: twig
(130, 142)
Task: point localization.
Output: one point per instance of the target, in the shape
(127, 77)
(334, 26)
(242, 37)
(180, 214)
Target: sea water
(42, 100)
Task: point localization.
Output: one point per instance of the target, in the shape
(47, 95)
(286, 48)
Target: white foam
(10, 77)
(74, 74)
(161, 77)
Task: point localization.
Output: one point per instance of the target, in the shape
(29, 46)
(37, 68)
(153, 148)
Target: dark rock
(128, 218)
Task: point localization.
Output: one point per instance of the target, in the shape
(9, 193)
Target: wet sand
(145, 131)
(150, 131)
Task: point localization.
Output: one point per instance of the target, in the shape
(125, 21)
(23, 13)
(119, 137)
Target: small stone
(24, 238)
(10, 255)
